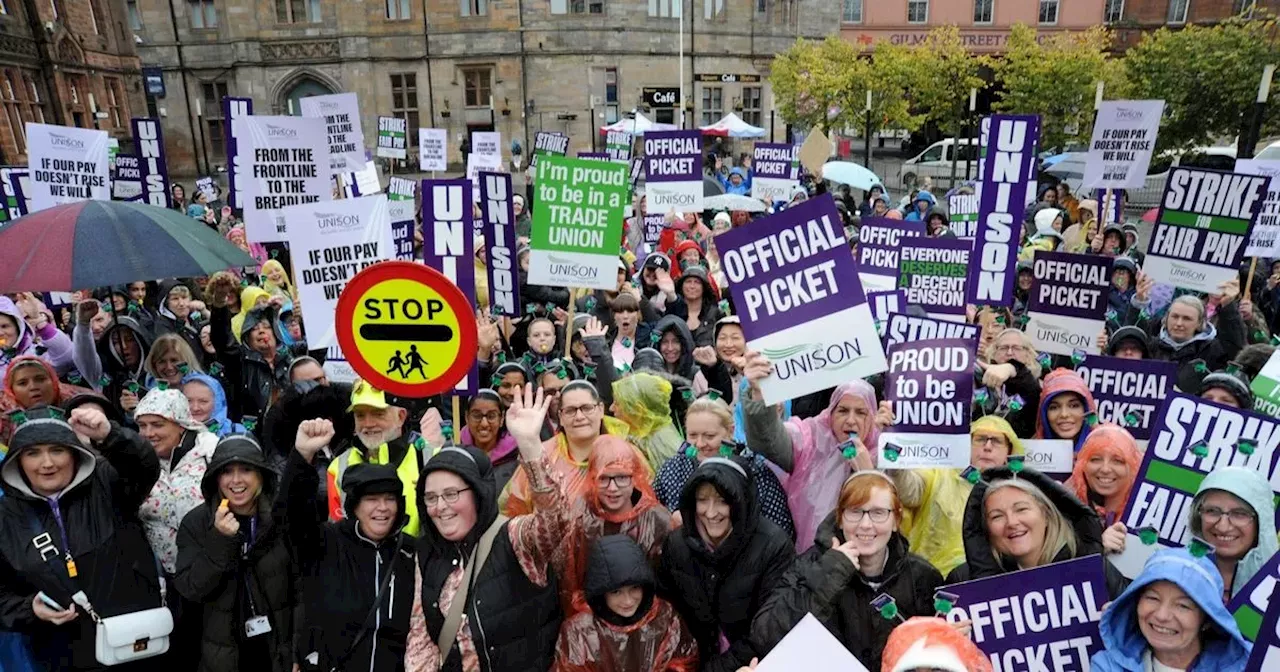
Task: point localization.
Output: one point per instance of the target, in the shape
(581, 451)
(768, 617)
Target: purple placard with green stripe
(934, 271)
(1202, 229)
(1048, 615)
(1265, 656)
(1191, 438)
(1255, 602)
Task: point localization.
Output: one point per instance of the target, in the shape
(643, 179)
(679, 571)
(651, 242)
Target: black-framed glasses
(491, 416)
(876, 515)
(449, 497)
(585, 409)
(620, 481)
(1238, 517)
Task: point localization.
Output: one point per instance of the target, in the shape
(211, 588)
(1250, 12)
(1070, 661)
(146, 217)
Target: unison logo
(335, 221)
(66, 141)
(805, 358)
(1128, 114)
(561, 267)
(281, 132)
(668, 197)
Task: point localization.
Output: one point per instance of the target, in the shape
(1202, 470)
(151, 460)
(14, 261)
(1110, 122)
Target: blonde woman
(1027, 520)
(169, 360)
(1011, 370)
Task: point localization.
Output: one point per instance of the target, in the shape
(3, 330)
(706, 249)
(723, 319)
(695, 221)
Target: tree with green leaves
(945, 70)
(1208, 77)
(1056, 78)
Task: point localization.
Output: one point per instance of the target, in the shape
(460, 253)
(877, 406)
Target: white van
(935, 162)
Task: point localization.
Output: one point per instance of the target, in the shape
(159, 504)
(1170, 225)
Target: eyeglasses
(449, 497)
(585, 409)
(1238, 517)
(876, 515)
(1010, 348)
(621, 481)
(491, 416)
(988, 441)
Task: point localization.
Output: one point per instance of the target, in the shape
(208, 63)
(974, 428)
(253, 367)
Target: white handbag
(133, 636)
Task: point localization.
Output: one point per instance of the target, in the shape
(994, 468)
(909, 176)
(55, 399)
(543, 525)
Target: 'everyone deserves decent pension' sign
(1036, 619)
(934, 271)
(879, 243)
(929, 385)
(577, 226)
(1204, 222)
(1192, 438)
(797, 292)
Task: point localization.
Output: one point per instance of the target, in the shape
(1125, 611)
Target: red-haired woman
(1105, 469)
(857, 555)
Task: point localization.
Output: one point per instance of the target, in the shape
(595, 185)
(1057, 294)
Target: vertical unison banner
(448, 244)
(232, 109)
(148, 143)
(1002, 199)
(498, 210)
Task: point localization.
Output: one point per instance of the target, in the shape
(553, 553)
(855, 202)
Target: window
(712, 104)
(20, 96)
(586, 6)
(713, 10)
(135, 17)
(297, 11)
(934, 153)
(853, 11)
(1178, 10)
(666, 9)
(1237, 6)
(983, 11)
(114, 100)
(1114, 11)
(398, 10)
(404, 101)
(1049, 11)
(917, 11)
(99, 16)
(762, 6)
(479, 87)
(752, 109)
(474, 7)
(610, 95)
(203, 14)
(212, 94)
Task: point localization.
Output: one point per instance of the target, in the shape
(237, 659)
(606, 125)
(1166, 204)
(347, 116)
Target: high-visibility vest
(407, 470)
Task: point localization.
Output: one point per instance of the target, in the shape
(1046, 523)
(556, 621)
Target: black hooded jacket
(167, 323)
(685, 366)
(342, 570)
(722, 589)
(236, 582)
(513, 621)
(824, 583)
(614, 562)
(114, 563)
(252, 381)
(708, 315)
(113, 364)
(980, 562)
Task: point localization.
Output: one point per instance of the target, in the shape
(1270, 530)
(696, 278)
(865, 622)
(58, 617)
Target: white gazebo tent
(732, 126)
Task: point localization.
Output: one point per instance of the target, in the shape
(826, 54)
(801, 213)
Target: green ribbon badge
(1199, 547)
(1016, 402)
(971, 474)
(688, 450)
(1149, 536)
(1016, 464)
(892, 451)
(250, 422)
(1246, 446)
(1200, 448)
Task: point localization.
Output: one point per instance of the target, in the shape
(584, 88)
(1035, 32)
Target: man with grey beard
(379, 439)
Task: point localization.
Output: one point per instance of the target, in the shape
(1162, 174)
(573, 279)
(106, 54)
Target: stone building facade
(1131, 19)
(514, 66)
(68, 62)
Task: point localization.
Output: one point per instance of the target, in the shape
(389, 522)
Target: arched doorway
(298, 85)
(304, 88)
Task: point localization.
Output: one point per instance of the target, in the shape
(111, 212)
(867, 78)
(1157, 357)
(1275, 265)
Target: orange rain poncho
(1112, 440)
(930, 643)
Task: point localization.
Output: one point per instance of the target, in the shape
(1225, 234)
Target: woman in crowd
(1171, 618)
(673, 340)
(815, 451)
(933, 500)
(582, 422)
(85, 503)
(1028, 521)
(643, 401)
(277, 282)
(495, 570)
(718, 366)
(697, 303)
(621, 624)
(1012, 371)
(357, 574)
(169, 359)
(1065, 406)
(614, 498)
(26, 328)
(1234, 511)
(1105, 469)
(509, 379)
(857, 555)
(722, 563)
(251, 297)
(184, 448)
(930, 644)
(234, 560)
(31, 381)
(486, 430)
(709, 433)
(208, 403)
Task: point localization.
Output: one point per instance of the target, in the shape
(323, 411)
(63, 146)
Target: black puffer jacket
(980, 563)
(214, 570)
(252, 381)
(824, 583)
(722, 589)
(685, 366)
(1215, 345)
(115, 566)
(166, 322)
(113, 364)
(342, 570)
(513, 621)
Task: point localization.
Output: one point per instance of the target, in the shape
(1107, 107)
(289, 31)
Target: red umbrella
(1150, 215)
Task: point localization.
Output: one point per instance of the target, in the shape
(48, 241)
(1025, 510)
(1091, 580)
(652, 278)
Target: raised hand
(525, 418)
(487, 333)
(884, 415)
(848, 549)
(705, 355)
(90, 422)
(594, 328)
(220, 289)
(1113, 538)
(312, 436)
(86, 311)
(757, 369)
(224, 521)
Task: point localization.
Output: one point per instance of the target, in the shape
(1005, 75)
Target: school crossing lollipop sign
(406, 329)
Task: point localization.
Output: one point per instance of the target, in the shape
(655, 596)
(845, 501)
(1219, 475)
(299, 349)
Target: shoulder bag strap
(377, 604)
(453, 620)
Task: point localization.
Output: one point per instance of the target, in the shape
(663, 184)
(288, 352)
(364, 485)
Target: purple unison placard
(884, 304)
(1036, 619)
(773, 159)
(797, 292)
(1002, 201)
(933, 271)
(930, 386)
(148, 143)
(448, 245)
(879, 240)
(902, 328)
(231, 109)
(673, 171)
(1265, 656)
(1113, 214)
(1251, 603)
(1067, 302)
(1129, 392)
(126, 180)
(500, 243)
(654, 225)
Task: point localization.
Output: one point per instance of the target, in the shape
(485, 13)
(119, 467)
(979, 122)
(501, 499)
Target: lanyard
(248, 588)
